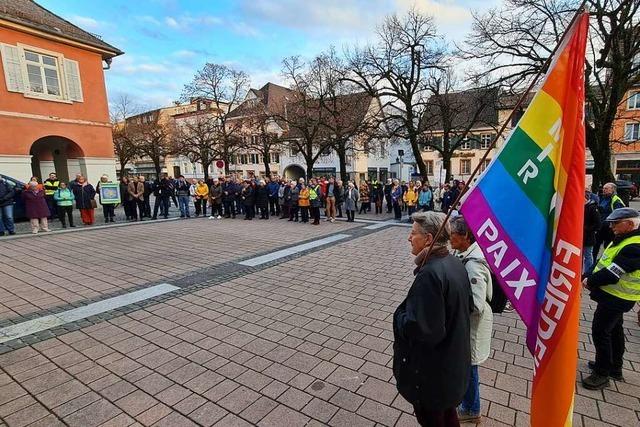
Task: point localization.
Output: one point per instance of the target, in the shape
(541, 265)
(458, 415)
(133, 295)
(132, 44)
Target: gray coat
(481, 289)
(351, 196)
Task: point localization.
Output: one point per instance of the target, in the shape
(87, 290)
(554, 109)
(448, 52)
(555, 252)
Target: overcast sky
(166, 41)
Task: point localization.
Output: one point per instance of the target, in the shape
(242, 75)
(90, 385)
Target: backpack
(499, 299)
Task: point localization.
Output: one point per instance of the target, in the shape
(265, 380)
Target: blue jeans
(183, 201)
(587, 259)
(471, 400)
(6, 222)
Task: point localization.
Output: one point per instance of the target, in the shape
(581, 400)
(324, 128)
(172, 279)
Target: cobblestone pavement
(301, 340)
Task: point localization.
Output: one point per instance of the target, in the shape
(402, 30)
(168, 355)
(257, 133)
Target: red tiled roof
(31, 14)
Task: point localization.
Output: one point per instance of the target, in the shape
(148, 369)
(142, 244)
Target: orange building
(626, 137)
(54, 114)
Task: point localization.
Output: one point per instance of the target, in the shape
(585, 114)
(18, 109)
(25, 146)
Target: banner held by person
(526, 212)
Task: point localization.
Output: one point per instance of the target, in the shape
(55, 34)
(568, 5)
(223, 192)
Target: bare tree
(197, 138)
(349, 126)
(396, 70)
(303, 115)
(451, 116)
(515, 40)
(224, 87)
(155, 140)
(263, 139)
(124, 142)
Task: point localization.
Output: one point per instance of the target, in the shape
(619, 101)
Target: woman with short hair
(84, 194)
(431, 355)
(467, 250)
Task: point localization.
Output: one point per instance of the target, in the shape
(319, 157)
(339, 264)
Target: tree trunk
(417, 155)
(205, 169)
(267, 166)
(310, 163)
(446, 165)
(156, 164)
(342, 158)
(602, 172)
(225, 155)
(122, 166)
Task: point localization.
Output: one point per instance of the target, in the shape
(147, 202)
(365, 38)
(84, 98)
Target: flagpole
(492, 145)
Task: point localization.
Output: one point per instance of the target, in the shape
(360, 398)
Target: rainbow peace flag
(526, 211)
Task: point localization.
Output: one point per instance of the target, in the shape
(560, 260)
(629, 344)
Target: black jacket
(162, 188)
(431, 348)
(591, 223)
(84, 195)
(7, 193)
(262, 197)
(248, 196)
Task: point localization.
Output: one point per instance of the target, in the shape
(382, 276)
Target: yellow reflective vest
(50, 187)
(628, 286)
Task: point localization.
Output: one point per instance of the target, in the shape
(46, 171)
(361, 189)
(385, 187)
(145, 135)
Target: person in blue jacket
(272, 189)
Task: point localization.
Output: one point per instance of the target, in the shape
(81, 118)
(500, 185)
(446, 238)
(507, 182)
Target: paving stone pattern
(306, 341)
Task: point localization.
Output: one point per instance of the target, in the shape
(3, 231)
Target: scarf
(421, 258)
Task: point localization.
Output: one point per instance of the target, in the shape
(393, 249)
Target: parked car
(18, 208)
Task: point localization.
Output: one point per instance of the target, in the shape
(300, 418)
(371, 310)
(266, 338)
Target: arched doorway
(294, 172)
(55, 154)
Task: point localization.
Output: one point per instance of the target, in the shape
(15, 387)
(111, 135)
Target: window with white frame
(466, 144)
(465, 166)
(633, 102)
(243, 159)
(253, 159)
(41, 74)
(484, 165)
(632, 131)
(429, 165)
(274, 157)
(485, 141)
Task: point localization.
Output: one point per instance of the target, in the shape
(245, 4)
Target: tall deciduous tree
(351, 119)
(155, 140)
(302, 114)
(197, 138)
(451, 115)
(396, 69)
(514, 41)
(124, 142)
(224, 87)
(264, 139)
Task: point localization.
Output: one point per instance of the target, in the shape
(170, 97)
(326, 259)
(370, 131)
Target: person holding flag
(615, 286)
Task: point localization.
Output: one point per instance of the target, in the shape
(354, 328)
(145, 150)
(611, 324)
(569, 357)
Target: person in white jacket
(465, 247)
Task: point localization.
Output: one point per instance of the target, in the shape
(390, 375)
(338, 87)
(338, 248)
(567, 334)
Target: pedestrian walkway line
(263, 259)
(40, 324)
(379, 225)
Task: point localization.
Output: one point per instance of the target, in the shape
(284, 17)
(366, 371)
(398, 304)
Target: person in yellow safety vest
(51, 184)
(609, 201)
(615, 287)
(315, 199)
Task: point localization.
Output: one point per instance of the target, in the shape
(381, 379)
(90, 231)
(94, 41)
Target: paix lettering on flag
(526, 211)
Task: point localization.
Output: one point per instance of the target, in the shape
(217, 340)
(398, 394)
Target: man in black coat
(7, 194)
(431, 327)
(591, 226)
(387, 194)
(162, 191)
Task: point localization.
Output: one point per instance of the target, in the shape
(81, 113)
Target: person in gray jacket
(351, 196)
(294, 211)
(467, 250)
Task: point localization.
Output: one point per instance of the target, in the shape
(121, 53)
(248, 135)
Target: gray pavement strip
(183, 284)
(51, 321)
(292, 250)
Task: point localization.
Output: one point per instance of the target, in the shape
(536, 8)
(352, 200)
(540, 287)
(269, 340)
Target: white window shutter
(12, 68)
(72, 76)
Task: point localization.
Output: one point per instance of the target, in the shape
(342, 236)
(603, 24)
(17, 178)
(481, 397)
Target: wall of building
(24, 120)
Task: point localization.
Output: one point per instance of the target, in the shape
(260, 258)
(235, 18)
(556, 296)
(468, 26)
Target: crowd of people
(222, 197)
